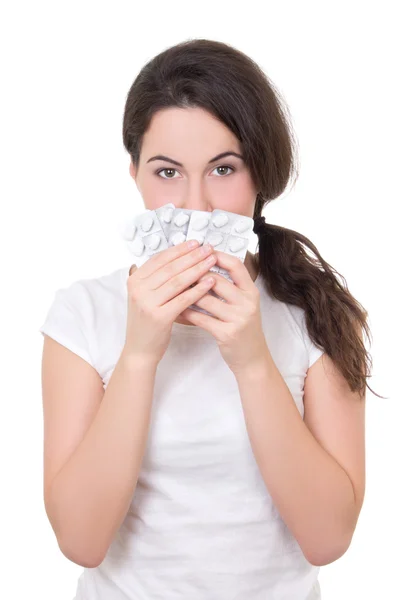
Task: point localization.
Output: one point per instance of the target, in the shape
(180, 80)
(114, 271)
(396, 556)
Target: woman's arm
(312, 492)
(91, 494)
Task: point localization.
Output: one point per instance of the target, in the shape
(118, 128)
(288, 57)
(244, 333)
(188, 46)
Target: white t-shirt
(201, 524)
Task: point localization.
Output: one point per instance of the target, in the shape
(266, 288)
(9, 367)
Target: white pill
(200, 223)
(178, 238)
(154, 241)
(167, 215)
(137, 247)
(236, 244)
(215, 238)
(241, 225)
(181, 219)
(220, 220)
(147, 223)
(129, 231)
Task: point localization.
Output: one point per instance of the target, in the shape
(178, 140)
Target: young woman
(196, 456)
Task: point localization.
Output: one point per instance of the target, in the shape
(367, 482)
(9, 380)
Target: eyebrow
(175, 162)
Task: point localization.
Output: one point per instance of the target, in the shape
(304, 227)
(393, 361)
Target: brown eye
(224, 167)
(158, 172)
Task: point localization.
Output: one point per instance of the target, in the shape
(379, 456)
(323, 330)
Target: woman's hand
(236, 323)
(158, 291)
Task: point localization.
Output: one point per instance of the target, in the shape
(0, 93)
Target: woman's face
(192, 137)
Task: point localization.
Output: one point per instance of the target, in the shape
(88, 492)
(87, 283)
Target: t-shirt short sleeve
(313, 351)
(65, 322)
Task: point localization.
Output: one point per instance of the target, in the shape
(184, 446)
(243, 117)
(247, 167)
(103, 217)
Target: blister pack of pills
(155, 230)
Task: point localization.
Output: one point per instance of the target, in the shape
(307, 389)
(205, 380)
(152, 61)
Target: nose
(195, 197)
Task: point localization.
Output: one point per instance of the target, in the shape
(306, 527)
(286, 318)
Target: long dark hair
(232, 87)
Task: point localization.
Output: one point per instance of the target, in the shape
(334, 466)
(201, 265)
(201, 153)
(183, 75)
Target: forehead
(183, 127)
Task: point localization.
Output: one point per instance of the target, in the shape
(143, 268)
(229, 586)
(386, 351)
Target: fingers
(188, 297)
(159, 260)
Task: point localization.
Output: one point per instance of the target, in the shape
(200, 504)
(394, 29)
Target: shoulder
(289, 321)
(298, 317)
(88, 316)
(99, 301)
(95, 293)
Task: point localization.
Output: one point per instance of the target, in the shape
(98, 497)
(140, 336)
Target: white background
(65, 187)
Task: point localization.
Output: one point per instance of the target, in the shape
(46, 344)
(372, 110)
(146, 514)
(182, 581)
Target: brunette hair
(232, 87)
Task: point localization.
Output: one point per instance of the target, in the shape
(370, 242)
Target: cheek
(155, 193)
(235, 196)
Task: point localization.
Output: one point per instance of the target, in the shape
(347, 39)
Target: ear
(132, 170)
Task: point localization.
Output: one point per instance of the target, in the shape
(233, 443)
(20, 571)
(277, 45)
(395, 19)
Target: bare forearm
(312, 492)
(91, 495)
